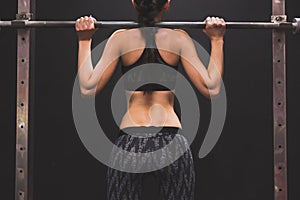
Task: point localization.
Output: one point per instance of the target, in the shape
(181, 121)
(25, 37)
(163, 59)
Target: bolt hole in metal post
(22, 125)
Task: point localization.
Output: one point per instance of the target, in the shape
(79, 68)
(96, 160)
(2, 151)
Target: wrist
(85, 41)
(217, 40)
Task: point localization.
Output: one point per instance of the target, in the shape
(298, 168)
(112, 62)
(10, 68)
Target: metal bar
(131, 24)
(279, 104)
(23, 55)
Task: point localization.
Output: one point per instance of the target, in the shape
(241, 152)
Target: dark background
(241, 164)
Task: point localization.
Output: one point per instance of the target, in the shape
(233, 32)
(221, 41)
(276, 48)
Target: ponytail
(148, 10)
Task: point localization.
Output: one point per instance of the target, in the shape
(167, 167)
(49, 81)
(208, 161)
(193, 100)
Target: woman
(150, 106)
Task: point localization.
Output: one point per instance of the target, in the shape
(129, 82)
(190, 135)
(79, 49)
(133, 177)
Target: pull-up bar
(293, 26)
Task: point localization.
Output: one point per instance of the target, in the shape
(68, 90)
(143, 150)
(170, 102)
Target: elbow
(86, 92)
(215, 92)
(212, 93)
(89, 89)
(212, 85)
(213, 89)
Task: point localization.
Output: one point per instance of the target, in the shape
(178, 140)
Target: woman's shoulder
(181, 31)
(178, 36)
(118, 32)
(175, 34)
(125, 33)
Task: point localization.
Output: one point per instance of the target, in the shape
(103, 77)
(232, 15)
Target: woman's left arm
(92, 80)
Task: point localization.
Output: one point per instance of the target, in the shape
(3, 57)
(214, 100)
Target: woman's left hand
(85, 27)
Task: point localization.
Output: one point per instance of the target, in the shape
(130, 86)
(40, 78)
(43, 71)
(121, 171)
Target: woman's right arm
(207, 81)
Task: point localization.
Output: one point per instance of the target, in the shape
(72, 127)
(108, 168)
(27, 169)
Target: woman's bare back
(155, 108)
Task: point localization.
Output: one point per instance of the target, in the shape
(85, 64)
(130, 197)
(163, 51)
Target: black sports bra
(149, 76)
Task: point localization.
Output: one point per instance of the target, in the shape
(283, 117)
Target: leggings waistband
(149, 130)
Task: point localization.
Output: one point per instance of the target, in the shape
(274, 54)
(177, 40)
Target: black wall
(241, 164)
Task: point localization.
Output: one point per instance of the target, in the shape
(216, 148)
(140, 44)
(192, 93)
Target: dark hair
(148, 10)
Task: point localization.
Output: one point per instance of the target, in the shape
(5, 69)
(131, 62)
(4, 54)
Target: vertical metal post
(23, 63)
(279, 103)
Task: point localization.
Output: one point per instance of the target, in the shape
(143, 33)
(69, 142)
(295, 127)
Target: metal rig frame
(24, 152)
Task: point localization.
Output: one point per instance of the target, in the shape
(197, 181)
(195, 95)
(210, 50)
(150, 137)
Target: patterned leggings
(176, 178)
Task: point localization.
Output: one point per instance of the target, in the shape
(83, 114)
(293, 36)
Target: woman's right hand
(85, 28)
(215, 28)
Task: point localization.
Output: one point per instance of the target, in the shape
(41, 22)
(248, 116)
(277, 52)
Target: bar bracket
(21, 19)
(24, 16)
(278, 18)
